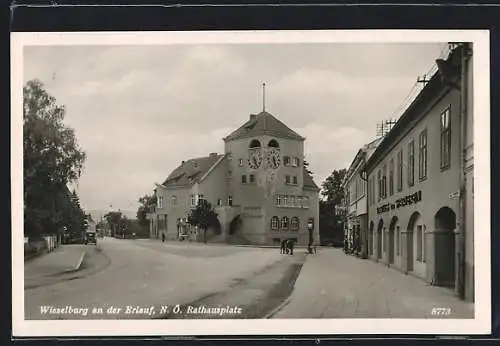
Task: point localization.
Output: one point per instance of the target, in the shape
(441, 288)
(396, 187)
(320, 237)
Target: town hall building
(259, 188)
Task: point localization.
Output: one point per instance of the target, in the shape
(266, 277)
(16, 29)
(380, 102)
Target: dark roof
(191, 171)
(263, 124)
(308, 180)
(414, 111)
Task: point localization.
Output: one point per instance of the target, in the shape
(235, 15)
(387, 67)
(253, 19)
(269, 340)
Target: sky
(138, 111)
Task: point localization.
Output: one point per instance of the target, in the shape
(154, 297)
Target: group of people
(286, 246)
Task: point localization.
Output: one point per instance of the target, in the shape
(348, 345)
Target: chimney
(253, 116)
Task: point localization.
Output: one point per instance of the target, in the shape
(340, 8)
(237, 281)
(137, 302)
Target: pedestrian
(314, 248)
(282, 246)
(290, 245)
(163, 237)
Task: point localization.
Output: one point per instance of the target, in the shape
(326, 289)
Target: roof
(263, 123)
(414, 111)
(308, 180)
(191, 171)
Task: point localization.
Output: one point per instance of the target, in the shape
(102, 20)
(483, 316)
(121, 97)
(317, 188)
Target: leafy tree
(147, 204)
(332, 190)
(52, 159)
(306, 166)
(203, 216)
(114, 220)
(330, 224)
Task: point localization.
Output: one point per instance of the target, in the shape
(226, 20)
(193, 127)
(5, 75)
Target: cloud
(138, 111)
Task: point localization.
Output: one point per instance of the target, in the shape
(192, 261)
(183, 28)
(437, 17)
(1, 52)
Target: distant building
(355, 188)
(420, 183)
(259, 187)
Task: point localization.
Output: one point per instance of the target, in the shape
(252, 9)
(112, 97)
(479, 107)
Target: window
(241, 162)
(305, 202)
(275, 222)
(398, 240)
(286, 160)
(400, 170)
(391, 177)
(230, 200)
(298, 201)
(285, 200)
(219, 202)
(411, 163)
(294, 223)
(160, 202)
(284, 222)
(419, 243)
(384, 181)
(200, 198)
(287, 179)
(252, 178)
(379, 184)
(445, 139)
(294, 180)
(254, 144)
(243, 179)
(174, 201)
(273, 144)
(422, 155)
(369, 191)
(296, 162)
(278, 199)
(193, 200)
(292, 201)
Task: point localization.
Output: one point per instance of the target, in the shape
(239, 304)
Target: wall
(435, 190)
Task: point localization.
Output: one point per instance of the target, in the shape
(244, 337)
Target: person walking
(282, 246)
(291, 245)
(163, 237)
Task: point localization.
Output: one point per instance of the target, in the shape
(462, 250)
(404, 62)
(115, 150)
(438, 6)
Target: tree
(114, 220)
(332, 190)
(52, 159)
(330, 224)
(306, 166)
(203, 216)
(148, 203)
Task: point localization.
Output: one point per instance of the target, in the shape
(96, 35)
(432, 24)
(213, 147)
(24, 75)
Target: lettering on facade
(401, 202)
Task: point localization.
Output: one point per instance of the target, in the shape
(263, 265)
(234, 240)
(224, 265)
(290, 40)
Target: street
(146, 273)
(335, 285)
(144, 279)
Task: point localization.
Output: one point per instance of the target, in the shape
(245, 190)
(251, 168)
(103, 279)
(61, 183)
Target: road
(334, 285)
(141, 274)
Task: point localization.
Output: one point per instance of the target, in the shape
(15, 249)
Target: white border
(480, 325)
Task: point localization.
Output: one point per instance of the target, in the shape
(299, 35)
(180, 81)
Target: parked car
(90, 238)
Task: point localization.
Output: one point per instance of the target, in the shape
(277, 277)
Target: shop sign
(401, 202)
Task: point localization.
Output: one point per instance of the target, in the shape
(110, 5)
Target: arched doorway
(444, 248)
(391, 244)
(370, 239)
(410, 258)
(379, 238)
(235, 224)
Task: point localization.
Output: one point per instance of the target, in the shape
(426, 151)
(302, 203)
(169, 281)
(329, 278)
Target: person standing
(163, 237)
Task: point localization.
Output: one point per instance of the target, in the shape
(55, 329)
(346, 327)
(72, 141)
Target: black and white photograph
(251, 182)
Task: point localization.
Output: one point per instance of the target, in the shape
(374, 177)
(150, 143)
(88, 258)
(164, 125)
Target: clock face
(254, 158)
(273, 158)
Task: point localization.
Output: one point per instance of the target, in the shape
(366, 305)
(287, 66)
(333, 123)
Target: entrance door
(409, 249)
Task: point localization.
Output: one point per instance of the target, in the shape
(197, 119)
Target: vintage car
(90, 238)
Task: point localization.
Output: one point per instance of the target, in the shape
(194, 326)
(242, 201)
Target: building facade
(420, 183)
(259, 187)
(355, 188)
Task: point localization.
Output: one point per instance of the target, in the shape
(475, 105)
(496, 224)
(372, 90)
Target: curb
(79, 264)
(279, 307)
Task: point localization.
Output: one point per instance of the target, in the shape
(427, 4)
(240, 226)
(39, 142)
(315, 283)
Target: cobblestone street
(334, 285)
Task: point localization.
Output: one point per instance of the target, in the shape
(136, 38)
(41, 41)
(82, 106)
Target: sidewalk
(64, 259)
(334, 285)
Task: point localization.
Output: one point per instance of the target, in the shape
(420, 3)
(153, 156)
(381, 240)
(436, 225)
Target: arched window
(254, 144)
(273, 144)
(284, 222)
(295, 223)
(275, 222)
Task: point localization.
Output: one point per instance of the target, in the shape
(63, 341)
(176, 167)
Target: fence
(35, 246)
